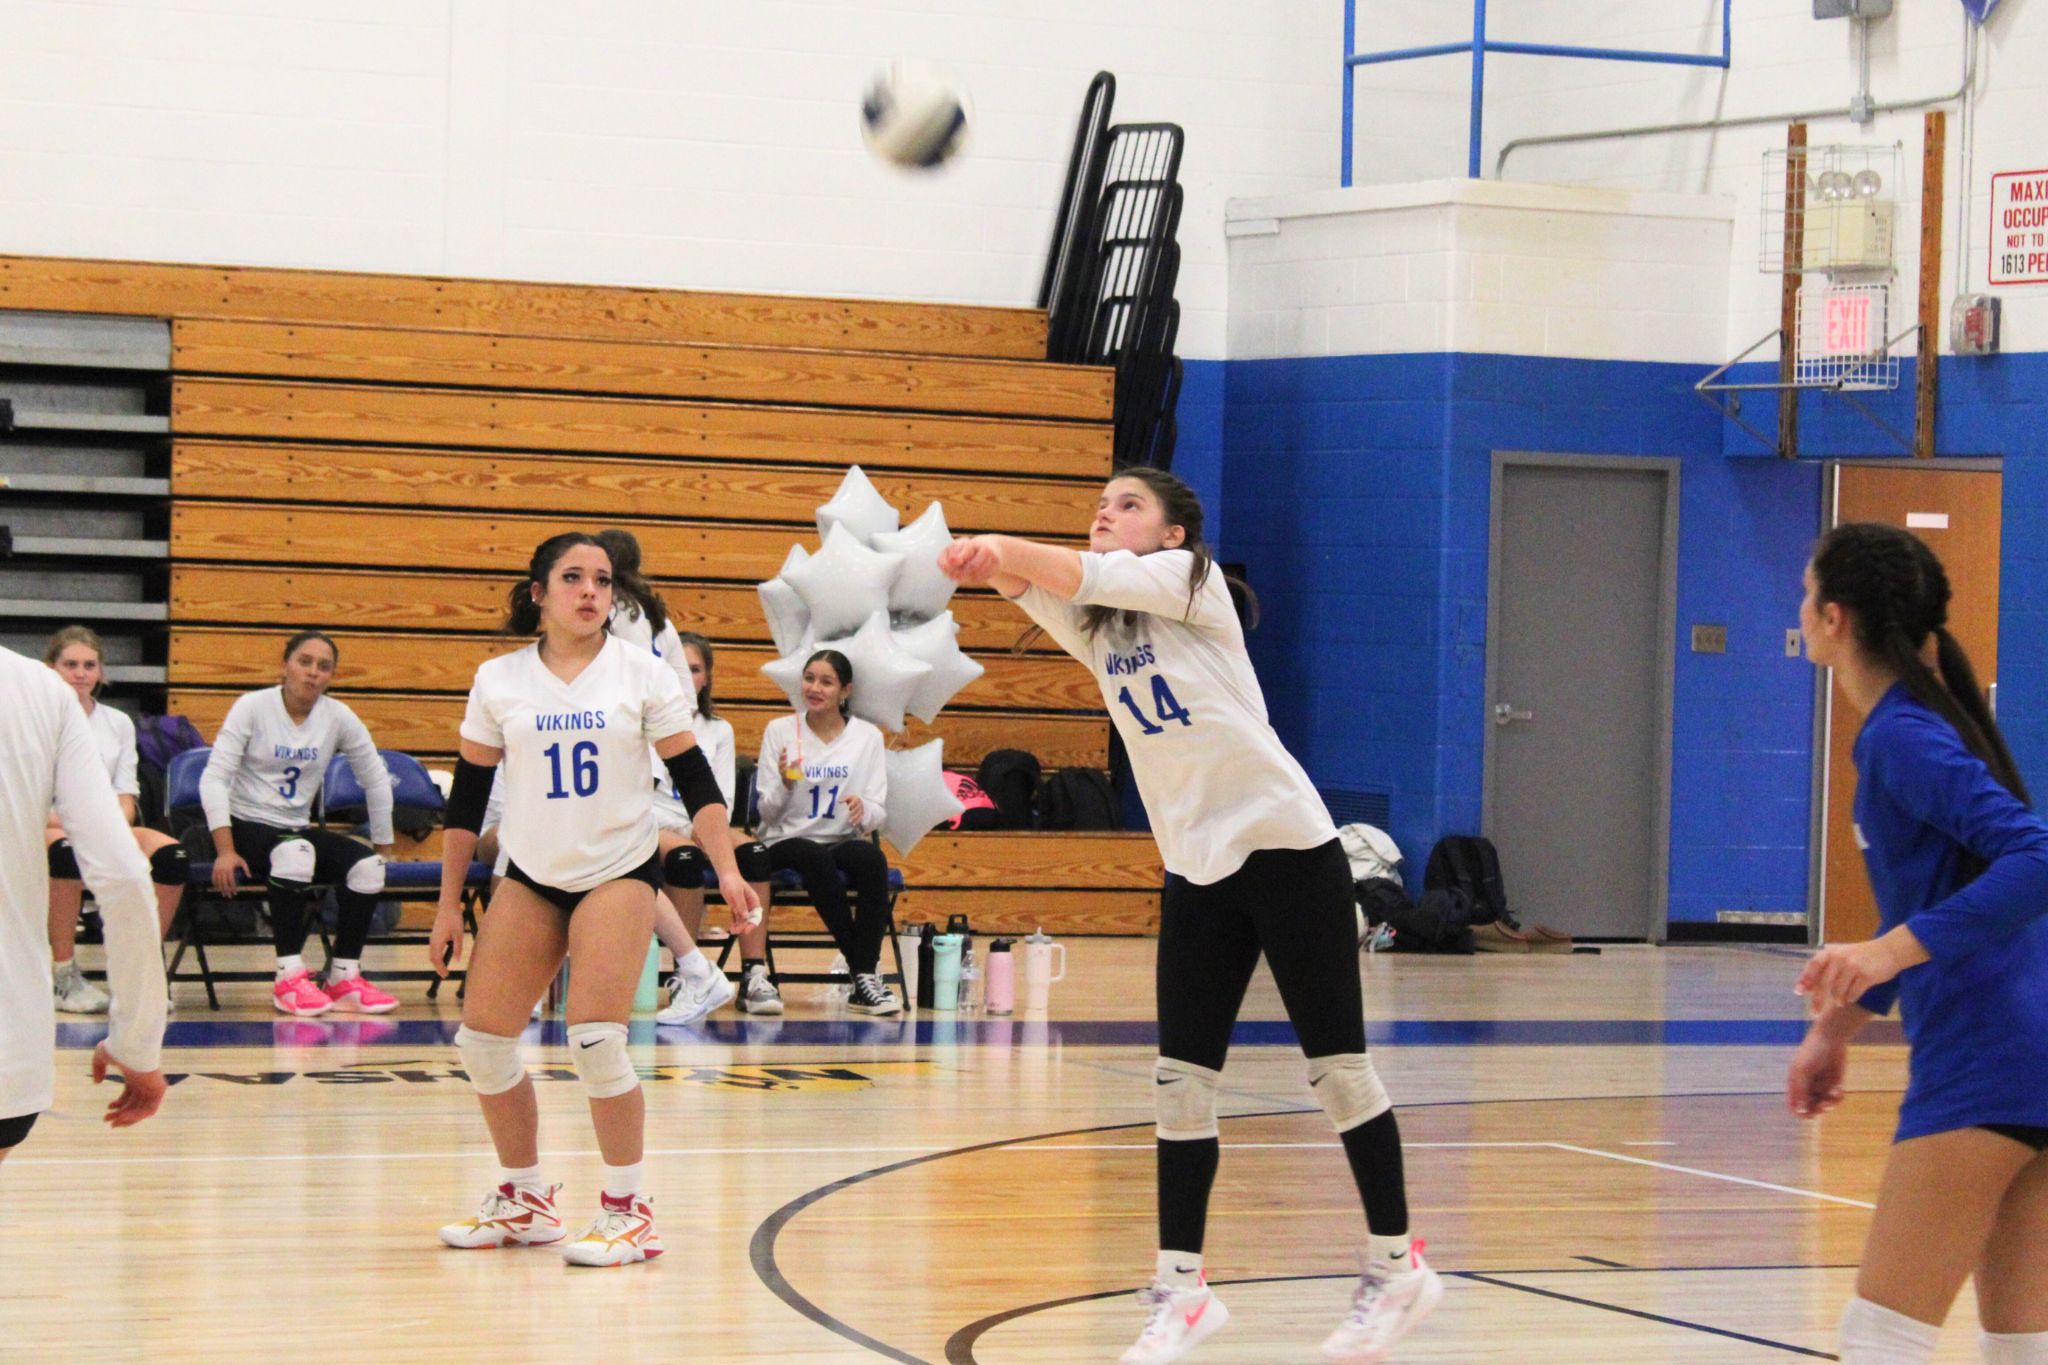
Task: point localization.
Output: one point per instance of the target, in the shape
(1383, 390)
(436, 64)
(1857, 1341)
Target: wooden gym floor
(1599, 1156)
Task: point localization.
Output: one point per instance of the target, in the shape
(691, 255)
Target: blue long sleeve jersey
(1928, 812)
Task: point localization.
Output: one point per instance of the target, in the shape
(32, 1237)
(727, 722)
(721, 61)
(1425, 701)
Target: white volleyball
(915, 113)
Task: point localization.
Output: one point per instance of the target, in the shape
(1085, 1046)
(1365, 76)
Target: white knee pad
(1871, 1334)
(2013, 1348)
(1184, 1099)
(491, 1059)
(599, 1051)
(366, 878)
(1348, 1088)
(291, 860)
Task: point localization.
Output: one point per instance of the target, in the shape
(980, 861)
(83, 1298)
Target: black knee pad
(63, 862)
(683, 868)
(170, 865)
(753, 861)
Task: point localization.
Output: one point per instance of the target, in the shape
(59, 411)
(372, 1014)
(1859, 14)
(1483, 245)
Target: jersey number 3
(1162, 702)
(582, 769)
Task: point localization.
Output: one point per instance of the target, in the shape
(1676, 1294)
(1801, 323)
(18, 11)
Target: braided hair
(1898, 594)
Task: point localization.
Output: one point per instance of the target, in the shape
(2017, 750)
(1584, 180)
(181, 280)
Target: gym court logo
(782, 1078)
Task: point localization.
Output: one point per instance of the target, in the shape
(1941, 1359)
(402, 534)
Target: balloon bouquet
(874, 593)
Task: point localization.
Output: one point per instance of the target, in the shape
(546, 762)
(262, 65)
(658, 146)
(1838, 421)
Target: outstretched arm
(1011, 565)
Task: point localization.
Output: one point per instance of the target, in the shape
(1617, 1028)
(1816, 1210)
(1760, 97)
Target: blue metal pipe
(1477, 117)
(1609, 54)
(1350, 90)
(1403, 54)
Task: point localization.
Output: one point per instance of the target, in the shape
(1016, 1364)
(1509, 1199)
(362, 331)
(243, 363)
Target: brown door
(1956, 512)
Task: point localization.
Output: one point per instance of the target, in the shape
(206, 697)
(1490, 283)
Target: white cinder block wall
(696, 143)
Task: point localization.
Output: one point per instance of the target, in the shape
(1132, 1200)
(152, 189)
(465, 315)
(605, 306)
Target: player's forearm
(1024, 563)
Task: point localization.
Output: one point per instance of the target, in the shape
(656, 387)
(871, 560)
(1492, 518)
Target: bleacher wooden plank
(598, 486)
(386, 662)
(627, 426)
(366, 599)
(513, 307)
(747, 374)
(426, 726)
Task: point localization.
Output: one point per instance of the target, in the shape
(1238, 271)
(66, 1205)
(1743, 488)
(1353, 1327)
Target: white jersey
(714, 737)
(113, 734)
(578, 810)
(48, 758)
(1216, 780)
(267, 768)
(814, 807)
(629, 625)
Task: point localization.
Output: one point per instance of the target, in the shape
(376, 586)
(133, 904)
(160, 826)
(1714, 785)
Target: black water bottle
(927, 966)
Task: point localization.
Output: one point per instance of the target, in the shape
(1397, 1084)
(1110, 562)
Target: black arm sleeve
(691, 772)
(468, 797)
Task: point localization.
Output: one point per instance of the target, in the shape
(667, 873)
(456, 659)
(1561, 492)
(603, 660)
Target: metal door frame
(1658, 912)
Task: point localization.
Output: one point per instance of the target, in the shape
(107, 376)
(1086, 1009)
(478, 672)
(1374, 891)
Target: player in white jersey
(822, 784)
(259, 788)
(1253, 865)
(698, 987)
(49, 758)
(571, 718)
(78, 657)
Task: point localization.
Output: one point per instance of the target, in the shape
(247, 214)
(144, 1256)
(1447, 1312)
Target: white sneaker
(510, 1217)
(1180, 1320)
(621, 1234)
(1384, 1307)
(695, 999)
(74, 994)
(758, 994)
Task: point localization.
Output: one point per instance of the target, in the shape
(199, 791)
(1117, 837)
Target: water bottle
(1002, 978)
(647, 996)
(1038, 969)
(957, 924)
(927, 972)
(946, 971)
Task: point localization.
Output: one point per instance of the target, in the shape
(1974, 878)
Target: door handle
(1504, 713)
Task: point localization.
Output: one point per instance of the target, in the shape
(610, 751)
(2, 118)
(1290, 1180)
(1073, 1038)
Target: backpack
(1439, 923)
(1470, 864)
(159, 738)
(980, 812)
(1077, 798)
(1010, 778)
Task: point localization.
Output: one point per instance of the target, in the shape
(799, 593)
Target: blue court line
(930, 1031)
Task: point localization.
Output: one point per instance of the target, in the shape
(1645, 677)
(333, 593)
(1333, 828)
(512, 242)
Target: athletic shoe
(622, 1233)
(1385, 1306)
(695, 999)
(1180, 1320)
(870, 996)
(511, 1216)
(758, 994)
(296, 994)
(356, 995)
(74, 994)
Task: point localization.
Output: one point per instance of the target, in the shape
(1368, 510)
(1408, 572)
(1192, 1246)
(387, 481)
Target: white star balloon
(937, 643)
(843, 584)
(784, 607)
(921, 590)
(787, 672)
(884, 676)
(858, 507)
(919, 799)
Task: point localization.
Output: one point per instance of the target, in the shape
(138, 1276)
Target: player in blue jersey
(1959, 865)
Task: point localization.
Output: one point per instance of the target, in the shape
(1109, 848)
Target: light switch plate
(1710, 639)
(1793, 643)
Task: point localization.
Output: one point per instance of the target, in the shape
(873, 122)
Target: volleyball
(915, 114)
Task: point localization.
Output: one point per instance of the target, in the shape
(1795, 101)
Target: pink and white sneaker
(511, 1216)
(621, 1234)
(1176, 1321)
(1386, 1305)
(356, 995)
(296, 994)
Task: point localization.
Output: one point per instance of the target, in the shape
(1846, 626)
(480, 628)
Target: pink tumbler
(1002, 978)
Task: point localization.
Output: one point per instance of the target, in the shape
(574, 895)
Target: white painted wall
(694, 143)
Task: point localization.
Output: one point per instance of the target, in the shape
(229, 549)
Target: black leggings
(333, 856)
(859, 929)
(1294, 905)
(14, 1131)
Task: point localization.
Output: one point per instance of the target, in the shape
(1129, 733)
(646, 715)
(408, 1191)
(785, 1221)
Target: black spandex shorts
(14, 1130)
(2033, 1135)
(567, 901)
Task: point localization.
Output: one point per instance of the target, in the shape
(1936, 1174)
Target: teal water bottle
(946, 971)
(648, 996)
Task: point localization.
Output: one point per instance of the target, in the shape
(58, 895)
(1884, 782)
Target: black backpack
(1077, 798)
(1441, 922)
(1010, 777)
(1470, 864)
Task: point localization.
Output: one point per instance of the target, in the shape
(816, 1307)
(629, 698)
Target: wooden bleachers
(378, 455)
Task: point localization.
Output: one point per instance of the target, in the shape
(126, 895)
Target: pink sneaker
(356, 995)
(296, 994)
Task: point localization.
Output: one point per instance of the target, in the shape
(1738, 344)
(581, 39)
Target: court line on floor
(1475, 1277)
(1712, 1175)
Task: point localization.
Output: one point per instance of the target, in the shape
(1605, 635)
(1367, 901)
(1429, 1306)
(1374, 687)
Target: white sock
(527, 1178)
(290, 966)
(2013, 1348)
(1875, 1335)
(61, 965)
(695, 966)
(622, 1182)
(1392, 1250)
(342, 968)
(1180, 1269)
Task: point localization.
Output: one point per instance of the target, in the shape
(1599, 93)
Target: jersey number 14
(582, 769)
(1162, 702)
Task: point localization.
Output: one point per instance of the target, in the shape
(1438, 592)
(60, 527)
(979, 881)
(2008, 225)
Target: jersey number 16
(582, 769)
